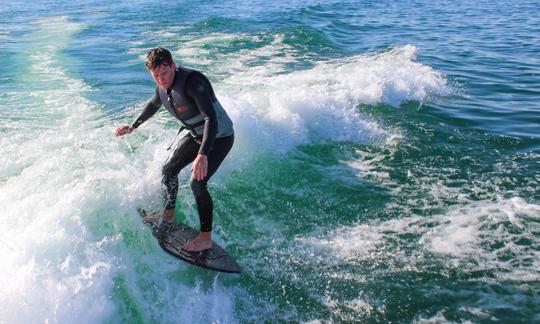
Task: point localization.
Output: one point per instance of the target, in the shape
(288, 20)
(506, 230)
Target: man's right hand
(123, 130)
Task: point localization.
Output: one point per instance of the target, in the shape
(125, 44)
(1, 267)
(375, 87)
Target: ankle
(168, 213)
(206, 235)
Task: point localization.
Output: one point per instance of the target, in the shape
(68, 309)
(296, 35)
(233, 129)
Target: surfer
(188, 95)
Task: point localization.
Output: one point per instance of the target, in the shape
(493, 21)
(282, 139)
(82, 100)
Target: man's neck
(172, 84)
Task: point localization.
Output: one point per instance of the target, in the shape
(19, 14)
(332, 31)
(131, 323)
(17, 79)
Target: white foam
(436, 319)
(349, 244)
(52, 267)
(469, 233)
(465, 236)
(322, 101)
(494, 236)
(67, 190)
(276, 108)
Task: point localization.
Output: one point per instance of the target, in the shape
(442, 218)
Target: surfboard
(172, 237)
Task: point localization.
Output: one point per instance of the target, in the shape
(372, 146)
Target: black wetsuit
(191, 100)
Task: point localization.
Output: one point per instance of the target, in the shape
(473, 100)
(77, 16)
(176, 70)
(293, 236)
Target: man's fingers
(200, 173)
(199, 169)
(121, 131)
(195, 170)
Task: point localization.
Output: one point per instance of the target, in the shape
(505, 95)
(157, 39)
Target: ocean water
(386, 165)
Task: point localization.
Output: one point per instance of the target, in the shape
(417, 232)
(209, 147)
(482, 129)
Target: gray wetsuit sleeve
(151, 107)
(199, 91)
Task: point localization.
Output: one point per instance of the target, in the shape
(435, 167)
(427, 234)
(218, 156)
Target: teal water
(386, 164)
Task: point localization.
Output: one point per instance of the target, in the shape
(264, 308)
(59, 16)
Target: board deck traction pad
(172, 237)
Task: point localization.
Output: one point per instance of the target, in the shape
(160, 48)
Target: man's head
(161, 66)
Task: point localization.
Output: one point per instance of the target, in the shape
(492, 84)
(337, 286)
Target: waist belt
(191, 129)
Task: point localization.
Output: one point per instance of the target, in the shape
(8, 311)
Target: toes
(150, 219)
(194, 246)
(188, 246)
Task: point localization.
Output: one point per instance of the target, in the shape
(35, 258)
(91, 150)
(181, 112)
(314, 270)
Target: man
(188, 96)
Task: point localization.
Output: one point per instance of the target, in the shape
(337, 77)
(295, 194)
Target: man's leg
(184, 153)
(205, 205)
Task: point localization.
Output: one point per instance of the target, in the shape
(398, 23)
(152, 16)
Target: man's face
(164, 75)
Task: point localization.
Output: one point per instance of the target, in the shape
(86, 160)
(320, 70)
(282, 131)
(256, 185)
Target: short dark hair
(157, 57)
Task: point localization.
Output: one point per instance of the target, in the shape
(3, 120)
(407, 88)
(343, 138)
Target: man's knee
(169, 171)
(198, 187)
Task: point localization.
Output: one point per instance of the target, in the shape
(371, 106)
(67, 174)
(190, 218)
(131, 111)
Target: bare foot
(151, 218)
(167, 216)
(200, 243)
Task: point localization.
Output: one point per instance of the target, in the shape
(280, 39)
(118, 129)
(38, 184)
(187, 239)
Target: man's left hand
(199, 168)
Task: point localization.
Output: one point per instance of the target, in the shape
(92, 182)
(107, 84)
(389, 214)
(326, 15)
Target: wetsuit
(192, 101)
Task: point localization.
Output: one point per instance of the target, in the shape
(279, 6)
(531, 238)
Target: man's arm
(199, 91)
(152, 106)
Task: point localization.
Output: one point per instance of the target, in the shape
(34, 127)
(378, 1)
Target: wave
(489, 242)
(279, 106)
